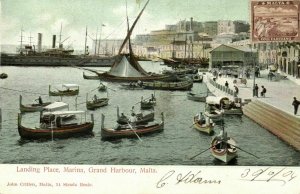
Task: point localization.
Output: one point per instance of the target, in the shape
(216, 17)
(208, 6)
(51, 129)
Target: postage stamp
(274, 21)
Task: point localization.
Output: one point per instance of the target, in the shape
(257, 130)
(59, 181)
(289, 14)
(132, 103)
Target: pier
(274, 112)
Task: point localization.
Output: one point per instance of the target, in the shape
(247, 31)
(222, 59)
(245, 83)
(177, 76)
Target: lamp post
(253, 62)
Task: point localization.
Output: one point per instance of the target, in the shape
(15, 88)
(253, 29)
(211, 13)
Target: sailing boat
(126, 67)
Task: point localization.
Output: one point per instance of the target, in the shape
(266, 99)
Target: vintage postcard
(149, 96)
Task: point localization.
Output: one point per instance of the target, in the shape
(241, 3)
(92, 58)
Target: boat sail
(126, 67)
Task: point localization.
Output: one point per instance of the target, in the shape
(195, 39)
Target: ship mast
(60, 35)
(85, 40)
(21, 45)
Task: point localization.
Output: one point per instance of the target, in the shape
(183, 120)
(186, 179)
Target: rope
(23, 91)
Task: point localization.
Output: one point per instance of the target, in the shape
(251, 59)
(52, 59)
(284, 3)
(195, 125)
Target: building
(224, 55)
(226, 27)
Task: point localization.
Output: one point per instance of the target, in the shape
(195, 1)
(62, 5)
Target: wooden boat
(196, 97)
(70, 90)
(3, 76)
(96, 103)
(132, 86)
(148, 104)
(223, 147)
(58, 129)
(197, 78)
(92, 77)
(47, 116)
(129, 131)
(126, 67)
(223, 104)
(214, 115)
(32, 107)
(206, 127)
(157, 85)
(141, 118)
(102, 87)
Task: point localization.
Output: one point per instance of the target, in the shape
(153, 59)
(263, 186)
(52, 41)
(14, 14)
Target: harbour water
(174, 146)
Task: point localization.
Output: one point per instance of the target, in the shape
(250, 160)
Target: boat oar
(202, 152)
(192, 125)
(134, 131)
(111, 89)
(94, 89)
(242, 150)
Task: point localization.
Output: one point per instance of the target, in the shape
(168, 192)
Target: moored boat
(129, 131)
(58, 129)
(70, 90)
(223, 147)
(196, 97)
(92, 77)
(180, 85)
(32, 107)
(3, 75)
(197, 78)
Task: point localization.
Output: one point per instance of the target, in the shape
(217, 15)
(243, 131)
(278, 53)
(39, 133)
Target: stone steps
(278, 122)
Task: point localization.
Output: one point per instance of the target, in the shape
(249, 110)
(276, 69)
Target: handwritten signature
(184, 178)
(269, 174)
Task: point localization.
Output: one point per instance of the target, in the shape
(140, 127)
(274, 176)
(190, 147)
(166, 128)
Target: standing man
(296, 105)
(226, 84)
(256, 90)
(236, 90)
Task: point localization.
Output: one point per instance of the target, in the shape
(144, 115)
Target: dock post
(0, 118)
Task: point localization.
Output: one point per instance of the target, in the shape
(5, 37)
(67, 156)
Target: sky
(109, 16)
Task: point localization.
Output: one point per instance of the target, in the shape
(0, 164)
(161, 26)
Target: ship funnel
(39, 42)
(53, 41)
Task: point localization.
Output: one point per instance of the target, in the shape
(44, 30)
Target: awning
(215, 99)
(56, 106)
(67, 112)
(70, 85)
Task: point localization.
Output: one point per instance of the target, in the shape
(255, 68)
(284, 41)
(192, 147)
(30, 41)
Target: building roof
(239, 48)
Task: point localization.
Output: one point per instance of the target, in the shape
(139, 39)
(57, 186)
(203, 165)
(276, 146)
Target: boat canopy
(216, 99)
(57, 113)
(56, 106)
(70, 85)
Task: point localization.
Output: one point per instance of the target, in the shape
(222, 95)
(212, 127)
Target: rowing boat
(141, 118)
(223, 147)
(207, 127)
(32, 107)
(129, 131)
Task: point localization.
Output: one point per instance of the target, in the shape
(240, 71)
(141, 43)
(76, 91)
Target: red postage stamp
(275, 20)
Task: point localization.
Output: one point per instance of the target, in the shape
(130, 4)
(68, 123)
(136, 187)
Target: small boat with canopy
(57, 128)
(68, 90)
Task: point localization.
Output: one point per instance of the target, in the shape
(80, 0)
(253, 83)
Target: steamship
(30, 56)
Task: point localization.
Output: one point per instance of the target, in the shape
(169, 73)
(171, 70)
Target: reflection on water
(174, 146)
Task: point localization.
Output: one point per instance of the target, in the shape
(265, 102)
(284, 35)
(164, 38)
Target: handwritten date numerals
(269, 174)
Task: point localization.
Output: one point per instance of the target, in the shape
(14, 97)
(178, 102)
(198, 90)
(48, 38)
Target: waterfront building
(224, 55)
